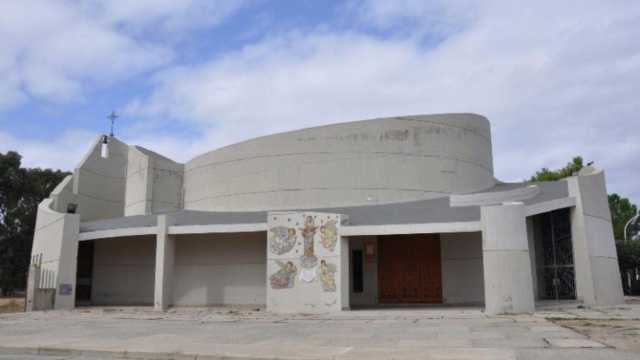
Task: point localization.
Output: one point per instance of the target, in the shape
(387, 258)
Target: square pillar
(65, 293)
(165, 260)
(508, 283)
(307, 263)
(33, 282)
(598, 280)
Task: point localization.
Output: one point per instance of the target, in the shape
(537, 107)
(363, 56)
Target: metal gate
(556, 269)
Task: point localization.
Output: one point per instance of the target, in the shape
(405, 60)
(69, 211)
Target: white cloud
(57, 153)
(555, 79)
(56, 50)
(170, 16)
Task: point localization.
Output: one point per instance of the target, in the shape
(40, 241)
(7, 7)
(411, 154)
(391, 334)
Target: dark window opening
(84, 274)
(358, 271)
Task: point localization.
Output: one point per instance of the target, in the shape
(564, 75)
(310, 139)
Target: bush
(629, 261)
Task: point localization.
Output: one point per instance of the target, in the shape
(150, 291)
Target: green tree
(622, 210)
(21, 190)
(572, 167)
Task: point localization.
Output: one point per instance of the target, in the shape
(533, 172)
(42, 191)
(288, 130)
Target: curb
(137, 355)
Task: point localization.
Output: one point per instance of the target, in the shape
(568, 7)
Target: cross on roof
(113, 116)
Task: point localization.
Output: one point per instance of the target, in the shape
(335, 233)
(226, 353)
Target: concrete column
(595, 258)
(33, 281)
(343, 271)
(165, 260)
(508, 284)
(532, 255)
(65, 297)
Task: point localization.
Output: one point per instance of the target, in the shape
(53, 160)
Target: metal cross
(113, 116)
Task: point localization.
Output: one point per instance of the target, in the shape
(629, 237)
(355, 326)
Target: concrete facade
(124, 271)
(274, 221)
(353, 163)
(220, 269)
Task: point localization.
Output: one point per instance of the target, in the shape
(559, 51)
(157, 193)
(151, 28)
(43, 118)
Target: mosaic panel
(305, 260)
(285, 277)
(282, 239)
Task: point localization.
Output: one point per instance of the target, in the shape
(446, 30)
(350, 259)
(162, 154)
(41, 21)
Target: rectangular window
(358, 271)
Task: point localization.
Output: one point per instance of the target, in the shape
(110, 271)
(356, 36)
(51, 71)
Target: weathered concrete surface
(432, 333)
(596, 261)
(352, 163)
(508, 284)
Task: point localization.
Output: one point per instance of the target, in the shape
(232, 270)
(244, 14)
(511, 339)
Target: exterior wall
(462, 272)
(382, 160)
(63, 195)
(99, 184)
(355, 163)
(154, 183)
(220, 269)
(596, 261)
(55, 245)
(369, 294)
(123, 271)
(308, 263)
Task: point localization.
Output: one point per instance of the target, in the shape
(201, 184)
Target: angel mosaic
(281, 239)
(329, 235)
(308, 259)
(328, 276)
(285, 277)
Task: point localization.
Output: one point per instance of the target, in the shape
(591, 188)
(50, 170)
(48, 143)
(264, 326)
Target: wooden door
(409, 269)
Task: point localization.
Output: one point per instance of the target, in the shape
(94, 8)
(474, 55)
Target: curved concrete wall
(355, 163)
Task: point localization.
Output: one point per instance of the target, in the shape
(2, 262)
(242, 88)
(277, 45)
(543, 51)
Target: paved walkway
(435, 333)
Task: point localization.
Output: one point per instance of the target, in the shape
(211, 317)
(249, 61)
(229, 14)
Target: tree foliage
(571, 168)
(21, 190)
(622, 210)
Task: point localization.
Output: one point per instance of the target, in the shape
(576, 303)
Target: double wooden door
(409, 269)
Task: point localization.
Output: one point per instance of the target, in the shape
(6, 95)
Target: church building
(390, 211)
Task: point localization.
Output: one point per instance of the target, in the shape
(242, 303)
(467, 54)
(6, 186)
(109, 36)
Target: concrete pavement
(431, 333)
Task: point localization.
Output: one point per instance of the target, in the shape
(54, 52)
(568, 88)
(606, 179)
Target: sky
(556, 79)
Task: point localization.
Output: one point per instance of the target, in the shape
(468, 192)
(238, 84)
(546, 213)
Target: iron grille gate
(557, 270)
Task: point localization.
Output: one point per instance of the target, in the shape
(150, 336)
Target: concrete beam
(393, 229)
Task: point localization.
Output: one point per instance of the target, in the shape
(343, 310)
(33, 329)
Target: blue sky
(556, 79)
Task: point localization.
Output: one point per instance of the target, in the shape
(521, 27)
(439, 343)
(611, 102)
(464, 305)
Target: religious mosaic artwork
(329, 235)
(285, 277)
(308, 259)
(282, 239)
(328, 276)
